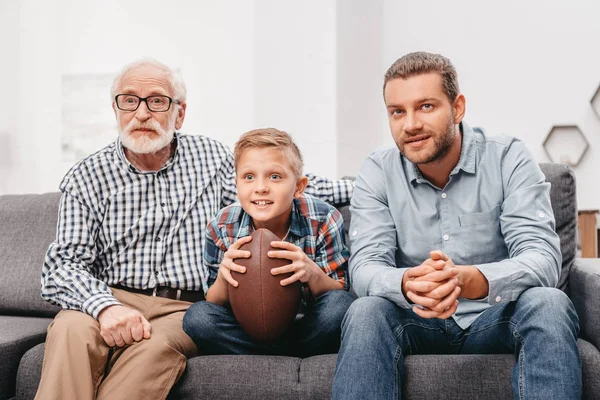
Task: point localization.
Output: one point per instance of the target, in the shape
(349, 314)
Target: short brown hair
(270, 137)
(421, 63)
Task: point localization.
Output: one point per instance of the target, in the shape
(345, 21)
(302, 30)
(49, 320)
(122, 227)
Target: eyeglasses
(131, 102)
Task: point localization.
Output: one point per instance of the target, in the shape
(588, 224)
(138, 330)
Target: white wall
(360, 111)
(295, 76)
(523, 66)
(313, 68)
(246, 64)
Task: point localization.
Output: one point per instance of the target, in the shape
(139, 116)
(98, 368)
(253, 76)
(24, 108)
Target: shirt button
(446, 237)
(158, 239)
(354, 233)
(542, 215)
(444, 195)
(163, 204)
(156, 273)
(498, 298)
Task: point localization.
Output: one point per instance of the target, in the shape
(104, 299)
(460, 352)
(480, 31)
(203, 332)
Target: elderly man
(127, 259)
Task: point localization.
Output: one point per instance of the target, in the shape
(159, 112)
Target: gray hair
(174, 78)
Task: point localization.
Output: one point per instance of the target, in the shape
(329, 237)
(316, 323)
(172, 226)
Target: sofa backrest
(563, 196)
(564, 204)
(27, 227)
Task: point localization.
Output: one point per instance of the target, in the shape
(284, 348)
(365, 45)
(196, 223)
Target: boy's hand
(303, 268)
(227, 265)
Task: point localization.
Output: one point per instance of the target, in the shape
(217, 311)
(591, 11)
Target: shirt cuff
(98, 302)
(500, 285)
(388, 284)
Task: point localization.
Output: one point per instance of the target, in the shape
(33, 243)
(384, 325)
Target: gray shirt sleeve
(373, 270)
(528, 226)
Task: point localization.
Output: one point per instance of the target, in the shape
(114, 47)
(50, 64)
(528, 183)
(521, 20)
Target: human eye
(129, 99)
(275, 177)
(158, 100)
(427, 107)
(248, 177)
(396, 111)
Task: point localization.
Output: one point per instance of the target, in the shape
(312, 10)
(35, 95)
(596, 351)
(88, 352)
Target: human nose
(261, 186)
(412, 123)
(142, 113)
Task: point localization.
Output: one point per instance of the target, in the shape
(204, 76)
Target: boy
(270, 190)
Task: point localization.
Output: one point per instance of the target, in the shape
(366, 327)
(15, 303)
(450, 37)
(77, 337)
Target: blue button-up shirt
(494, 213)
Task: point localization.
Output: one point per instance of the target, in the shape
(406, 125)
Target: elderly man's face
(143, 131)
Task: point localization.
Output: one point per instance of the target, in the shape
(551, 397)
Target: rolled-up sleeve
(528, 226)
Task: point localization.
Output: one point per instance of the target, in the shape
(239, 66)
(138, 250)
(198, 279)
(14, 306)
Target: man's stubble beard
(442, 145)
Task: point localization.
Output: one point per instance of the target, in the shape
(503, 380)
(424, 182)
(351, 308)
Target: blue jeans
(215, 330)
(540, 328)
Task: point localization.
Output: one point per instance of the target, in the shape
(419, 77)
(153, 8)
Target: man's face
(143, 131)
(422, 119)
(266, 187)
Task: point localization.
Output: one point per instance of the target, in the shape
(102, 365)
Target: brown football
(263, 307)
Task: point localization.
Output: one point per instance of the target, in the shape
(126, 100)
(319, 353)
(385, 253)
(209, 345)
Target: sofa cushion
(27, 226)
(271, 377)
(17, 335)
(564, 205)
(239, 377)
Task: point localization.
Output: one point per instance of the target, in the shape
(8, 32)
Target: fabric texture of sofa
(28, 225)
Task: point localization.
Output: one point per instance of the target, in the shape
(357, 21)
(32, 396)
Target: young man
(270, 188)
(454, 249)
(127, 259)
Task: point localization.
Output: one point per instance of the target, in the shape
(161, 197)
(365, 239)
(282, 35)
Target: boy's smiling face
(266, 187)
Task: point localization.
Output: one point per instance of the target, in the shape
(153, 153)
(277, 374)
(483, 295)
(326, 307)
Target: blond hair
(270, 137)
(421, 63)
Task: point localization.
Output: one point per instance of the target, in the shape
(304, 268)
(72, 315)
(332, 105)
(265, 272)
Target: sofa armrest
(584, 289)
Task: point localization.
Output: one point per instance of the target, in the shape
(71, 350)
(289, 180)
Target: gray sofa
(28, 224)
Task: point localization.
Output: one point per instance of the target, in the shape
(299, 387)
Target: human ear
(301, 184)
(460, 107)
(180, 115)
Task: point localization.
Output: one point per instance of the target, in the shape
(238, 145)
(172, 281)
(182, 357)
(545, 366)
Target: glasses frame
(145, 100)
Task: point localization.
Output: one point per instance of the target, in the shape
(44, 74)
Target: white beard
(145, 144)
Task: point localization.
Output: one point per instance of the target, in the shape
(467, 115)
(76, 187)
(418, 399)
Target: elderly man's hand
(121, 326)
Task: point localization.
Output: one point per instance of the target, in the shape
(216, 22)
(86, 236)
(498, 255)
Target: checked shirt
(121, 226)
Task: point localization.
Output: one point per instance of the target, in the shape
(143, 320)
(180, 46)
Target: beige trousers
(76, 358)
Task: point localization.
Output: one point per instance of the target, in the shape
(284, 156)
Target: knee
(369, 312)
(550, 306)
(73, 327)
(335, 303)
(198, 320)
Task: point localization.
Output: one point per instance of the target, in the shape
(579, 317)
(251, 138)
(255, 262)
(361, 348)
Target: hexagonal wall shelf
(566, 144)
(595, 102)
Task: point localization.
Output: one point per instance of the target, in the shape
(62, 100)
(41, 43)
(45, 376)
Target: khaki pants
(76, 357)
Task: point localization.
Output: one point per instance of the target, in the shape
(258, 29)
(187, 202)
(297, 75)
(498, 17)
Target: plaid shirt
(120, 226)
(316, 227)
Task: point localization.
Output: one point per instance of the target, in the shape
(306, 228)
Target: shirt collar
(132, 168)
(466, 162)
(297, 223)
(245, 228)
(468, 150)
